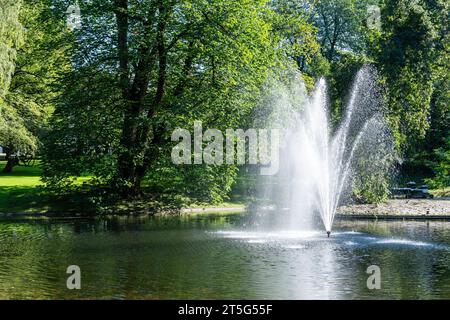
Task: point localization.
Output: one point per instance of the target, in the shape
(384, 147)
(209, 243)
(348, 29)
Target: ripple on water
(346, 238)
(281, 235)
(294, 247)
(405, 242)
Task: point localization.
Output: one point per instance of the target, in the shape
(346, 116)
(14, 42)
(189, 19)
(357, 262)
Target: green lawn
(19, 190)
(21, 176)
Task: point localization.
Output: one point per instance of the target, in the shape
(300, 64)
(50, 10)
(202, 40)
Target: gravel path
(401, 207)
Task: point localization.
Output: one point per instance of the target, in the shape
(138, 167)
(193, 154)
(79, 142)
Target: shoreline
(393, 209)
(393, 217)
(183, 211)
(399, 209)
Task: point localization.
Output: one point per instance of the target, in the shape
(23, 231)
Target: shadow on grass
(22, 199)
(22, 171)
(37, 200)
(22, 192)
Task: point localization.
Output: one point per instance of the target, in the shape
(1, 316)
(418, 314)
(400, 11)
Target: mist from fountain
(319, 163)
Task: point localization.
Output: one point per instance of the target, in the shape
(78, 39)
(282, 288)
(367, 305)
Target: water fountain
(319, 163)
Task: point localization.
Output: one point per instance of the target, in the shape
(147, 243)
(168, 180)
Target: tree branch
(122, 43)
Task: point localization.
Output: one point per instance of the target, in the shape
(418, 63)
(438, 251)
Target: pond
(221, 257)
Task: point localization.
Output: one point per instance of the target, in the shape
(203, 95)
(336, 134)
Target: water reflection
(221, 256)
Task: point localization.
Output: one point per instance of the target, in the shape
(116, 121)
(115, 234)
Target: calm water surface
(221, 256)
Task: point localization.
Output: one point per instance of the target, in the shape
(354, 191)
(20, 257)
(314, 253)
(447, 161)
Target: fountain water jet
(318, 163)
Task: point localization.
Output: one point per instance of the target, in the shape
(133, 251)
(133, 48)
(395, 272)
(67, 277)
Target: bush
(440, 167)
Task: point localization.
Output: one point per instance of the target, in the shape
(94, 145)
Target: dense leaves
(146, 68)
(100, 102)
(29, 100)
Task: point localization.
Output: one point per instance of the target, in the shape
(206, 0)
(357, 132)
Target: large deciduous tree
(411, 52)
(11, 32)
(151, 66)
(341, 26)
(10, 40)
(38, 61)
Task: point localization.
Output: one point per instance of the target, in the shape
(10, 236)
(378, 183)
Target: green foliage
(373, 190)
(421, 151)
(18, 115)
(298, 40)
(41, 57)
(341, 25)
(201, 60)
(372, 176)
(342, 74)
(136, 70)
(200, 183)
(408, 51)
(10, 39)
(85, 131)
(411, 53)
(441, 167)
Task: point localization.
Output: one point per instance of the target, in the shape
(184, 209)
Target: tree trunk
(131, 170)
(128, 160)
(11, 161)
(139, 152)
(127, 181)
(134, 158)
(129, 184)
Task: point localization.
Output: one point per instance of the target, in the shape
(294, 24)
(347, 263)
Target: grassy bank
(22, 192)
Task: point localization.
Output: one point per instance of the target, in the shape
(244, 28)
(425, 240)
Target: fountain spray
(320, 160)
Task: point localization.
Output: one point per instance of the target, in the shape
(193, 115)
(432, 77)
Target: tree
(343, 37)
(441, 166)
(298, 38)
(411, 51)
(342, 74)
(10, 40)
(341, 26)
(28, 102)
(157, 65)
